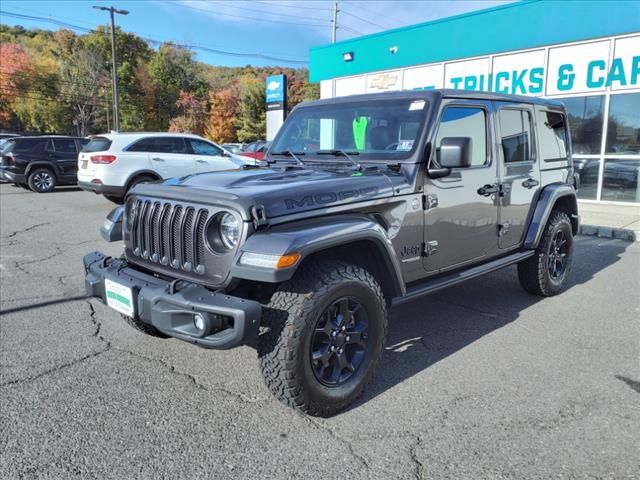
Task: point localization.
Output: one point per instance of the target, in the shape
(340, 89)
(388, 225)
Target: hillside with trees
(60, 82)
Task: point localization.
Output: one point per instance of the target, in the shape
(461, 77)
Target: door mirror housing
(454, 152)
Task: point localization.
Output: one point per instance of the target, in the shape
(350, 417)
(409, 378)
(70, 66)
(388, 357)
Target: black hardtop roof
(433, 95)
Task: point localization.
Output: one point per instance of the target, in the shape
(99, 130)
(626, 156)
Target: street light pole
(335, 21)
(114, 71)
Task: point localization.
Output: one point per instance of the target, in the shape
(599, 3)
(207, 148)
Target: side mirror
(454, 152)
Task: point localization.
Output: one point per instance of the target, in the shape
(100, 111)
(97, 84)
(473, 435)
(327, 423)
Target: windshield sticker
(416, 105)
(405, 145)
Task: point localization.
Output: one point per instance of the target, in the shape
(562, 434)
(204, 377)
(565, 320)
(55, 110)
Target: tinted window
(65, 145)
(29, 145)
(620, 181)
(170, 145)
(144, 145)
(585, 119)
(515, 127)
(553, 136)
(97, 144)
(200, 147)
(623, 132)
(466, 122)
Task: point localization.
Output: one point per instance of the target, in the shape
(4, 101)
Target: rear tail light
(103, 159)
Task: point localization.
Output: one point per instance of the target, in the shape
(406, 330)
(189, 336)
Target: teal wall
(516, 26)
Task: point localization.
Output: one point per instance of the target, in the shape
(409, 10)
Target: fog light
(199, 322)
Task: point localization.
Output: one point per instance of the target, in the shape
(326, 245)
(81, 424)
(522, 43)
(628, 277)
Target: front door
(519, 170)
(172, 157)
(461, 216)
(208, 156)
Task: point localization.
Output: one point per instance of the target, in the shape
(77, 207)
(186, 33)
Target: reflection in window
(623, 132)
(587, 169)
(585, 119)
(553, 136)
(620, 181)
(515, 127)
(466, 122)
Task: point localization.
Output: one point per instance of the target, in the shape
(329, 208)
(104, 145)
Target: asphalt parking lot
(479, 381)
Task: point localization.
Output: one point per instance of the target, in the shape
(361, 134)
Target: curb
(608, 232)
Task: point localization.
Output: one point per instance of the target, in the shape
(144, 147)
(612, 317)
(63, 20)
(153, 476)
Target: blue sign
(275, 88)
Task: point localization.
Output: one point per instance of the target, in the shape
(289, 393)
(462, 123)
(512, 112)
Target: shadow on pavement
(423, 332)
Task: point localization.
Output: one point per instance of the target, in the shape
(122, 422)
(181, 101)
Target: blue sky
(285, 30)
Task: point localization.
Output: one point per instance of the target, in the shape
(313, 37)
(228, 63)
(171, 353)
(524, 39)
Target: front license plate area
(119, 297)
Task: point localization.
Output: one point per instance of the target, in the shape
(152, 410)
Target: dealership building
(583, 53)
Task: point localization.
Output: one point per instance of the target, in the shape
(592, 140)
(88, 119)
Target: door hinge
(429, 201)
(430, 248)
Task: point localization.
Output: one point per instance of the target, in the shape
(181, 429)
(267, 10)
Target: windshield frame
(390, 156)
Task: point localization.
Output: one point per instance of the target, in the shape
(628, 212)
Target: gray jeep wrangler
(362, 203)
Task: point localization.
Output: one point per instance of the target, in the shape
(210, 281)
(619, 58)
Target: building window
(515, 128)
(620, 181)
(586, 116)
(588, 170)
(623, 132)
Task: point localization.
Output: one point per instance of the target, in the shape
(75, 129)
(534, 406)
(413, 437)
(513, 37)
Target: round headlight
(229, 230)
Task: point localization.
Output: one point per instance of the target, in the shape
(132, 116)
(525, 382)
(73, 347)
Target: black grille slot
(169, 234)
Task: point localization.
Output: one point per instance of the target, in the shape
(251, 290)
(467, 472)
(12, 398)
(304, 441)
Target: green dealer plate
(119, 297)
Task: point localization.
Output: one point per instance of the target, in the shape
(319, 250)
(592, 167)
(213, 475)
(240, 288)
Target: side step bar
(435, 284)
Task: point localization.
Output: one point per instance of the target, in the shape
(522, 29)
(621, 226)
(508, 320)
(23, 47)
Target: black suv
(362, 203)
(41, 162)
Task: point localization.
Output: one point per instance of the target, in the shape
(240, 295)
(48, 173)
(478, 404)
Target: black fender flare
(40, 163)
(308, 237)
(547, 200)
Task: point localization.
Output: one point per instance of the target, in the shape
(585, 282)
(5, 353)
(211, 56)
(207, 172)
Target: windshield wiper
(342, 153)
(289, 153)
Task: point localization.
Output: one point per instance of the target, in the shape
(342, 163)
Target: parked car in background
(112, 163)
(236, 148)
(256, 150)
(42, 162)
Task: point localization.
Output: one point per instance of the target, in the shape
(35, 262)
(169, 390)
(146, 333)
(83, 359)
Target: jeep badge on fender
(362, 202)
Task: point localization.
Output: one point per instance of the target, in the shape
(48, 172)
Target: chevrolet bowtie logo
(383, 82)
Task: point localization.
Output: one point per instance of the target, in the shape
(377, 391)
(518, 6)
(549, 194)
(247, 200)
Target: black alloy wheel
(42, 181)
(339, 342)
(558, 255)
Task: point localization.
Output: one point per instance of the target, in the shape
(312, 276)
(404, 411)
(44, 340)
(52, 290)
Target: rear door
(65, 153)
(461, 213)
(208, 156)
(171, 157)
(519, 170)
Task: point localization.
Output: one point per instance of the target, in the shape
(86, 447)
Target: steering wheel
(392, 146)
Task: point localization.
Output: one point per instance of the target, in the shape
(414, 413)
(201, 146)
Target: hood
(283, 192)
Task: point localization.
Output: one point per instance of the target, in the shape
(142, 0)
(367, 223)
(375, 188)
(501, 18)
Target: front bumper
(170, 306)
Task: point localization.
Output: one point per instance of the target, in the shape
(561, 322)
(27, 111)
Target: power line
(363, 19)
(260, 11)
(288, 5)
(196, 46)
(355, 32)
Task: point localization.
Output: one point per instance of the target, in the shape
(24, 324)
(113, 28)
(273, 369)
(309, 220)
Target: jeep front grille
(169, 234)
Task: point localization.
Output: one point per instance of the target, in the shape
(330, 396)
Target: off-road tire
(42, 180)
(143, 327)
(290, 318)
(140, 179)
(534, 273)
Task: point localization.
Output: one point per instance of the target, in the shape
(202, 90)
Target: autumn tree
(221, 126)
(15, 70)
(193, 114)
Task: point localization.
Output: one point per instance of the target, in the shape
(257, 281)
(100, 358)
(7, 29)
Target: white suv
(112, 163)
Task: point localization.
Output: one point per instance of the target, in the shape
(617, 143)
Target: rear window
(24, 145)
(97, 144)
(553, 136)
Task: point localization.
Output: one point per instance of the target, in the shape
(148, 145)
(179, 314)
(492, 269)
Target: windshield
(376, 130)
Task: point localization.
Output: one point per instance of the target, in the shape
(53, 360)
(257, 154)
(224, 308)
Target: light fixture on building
(348, 56)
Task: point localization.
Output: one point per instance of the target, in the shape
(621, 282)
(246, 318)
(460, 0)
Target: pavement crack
(59, 368)
(413, 452)
(28, 229)
(631, 383)
(98, 324)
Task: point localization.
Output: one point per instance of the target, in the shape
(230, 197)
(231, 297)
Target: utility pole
(114, 71)
(335, 21)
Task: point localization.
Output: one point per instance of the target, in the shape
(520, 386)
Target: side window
(29, 145)
(144, 145)
(553, 136)
(170, 145)
(65, 145)
(204, 148)
(49, 146)
(468, 122)
(515, 127)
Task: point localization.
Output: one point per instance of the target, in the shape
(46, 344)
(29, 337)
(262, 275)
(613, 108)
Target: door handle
(157, 159)
(202, 161)
(530, 183)
(488, 190)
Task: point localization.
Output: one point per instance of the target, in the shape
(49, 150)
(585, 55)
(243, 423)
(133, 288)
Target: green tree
(251, 121)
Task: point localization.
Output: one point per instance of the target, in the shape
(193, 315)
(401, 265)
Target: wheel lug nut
(340, 351)
(333, 348)
(347, 339)
(343, 328)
